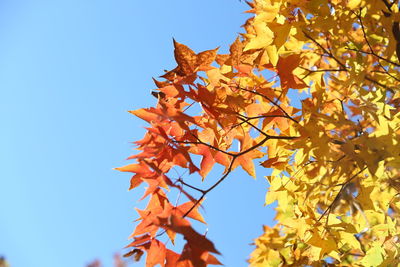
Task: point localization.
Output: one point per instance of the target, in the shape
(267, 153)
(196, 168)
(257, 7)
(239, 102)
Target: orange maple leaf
(285, 68)
(189, 62)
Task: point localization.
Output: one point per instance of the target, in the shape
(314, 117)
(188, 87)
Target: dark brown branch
(364, 32)
(369, 45)
(225, 175)
(378, 83)
(190, 186)
(199, 142)
(211, 188)
(337, 197)
(388, 5)
(378, 56)
(270, 100)
(329, 53)
(257, 117)
(253, 147)
(321, 70)
(388, 73)
(234, 157)
(265, 134)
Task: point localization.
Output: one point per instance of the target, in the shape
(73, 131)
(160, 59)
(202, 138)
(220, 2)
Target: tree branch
(223, 177)
(329, 53)
(270, 100)
(338, 196)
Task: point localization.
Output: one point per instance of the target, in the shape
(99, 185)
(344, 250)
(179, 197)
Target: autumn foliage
(310, 91)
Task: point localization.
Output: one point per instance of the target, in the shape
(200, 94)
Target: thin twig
(321, 70)
(230, 167)
(329, 53)
(267, 135)
(378, 83)
(328, 210)
(191, 186)
(378, 56)
(270, 100)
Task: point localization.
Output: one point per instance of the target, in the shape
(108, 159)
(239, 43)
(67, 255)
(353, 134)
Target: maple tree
(334, 154)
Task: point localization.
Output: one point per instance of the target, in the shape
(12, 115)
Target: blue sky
(69, 71)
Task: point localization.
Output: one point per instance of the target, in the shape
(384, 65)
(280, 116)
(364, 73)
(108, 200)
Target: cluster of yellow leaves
(335, 157)
(337, 189)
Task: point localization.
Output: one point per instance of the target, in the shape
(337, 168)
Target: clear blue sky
(69, 71)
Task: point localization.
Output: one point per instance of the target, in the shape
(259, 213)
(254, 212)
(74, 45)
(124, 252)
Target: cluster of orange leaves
(166, 145)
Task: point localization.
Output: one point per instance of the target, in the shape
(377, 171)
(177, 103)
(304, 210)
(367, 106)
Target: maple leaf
(185, 57)
(194, 214)
(139, 240)
(263, 36)
(236, 51)
(172, 259)
(207, 161)
(189, 62)
(285, 68)
(156, 254)
(193, 238)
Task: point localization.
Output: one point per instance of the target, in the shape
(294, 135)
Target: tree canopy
(309, 90)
